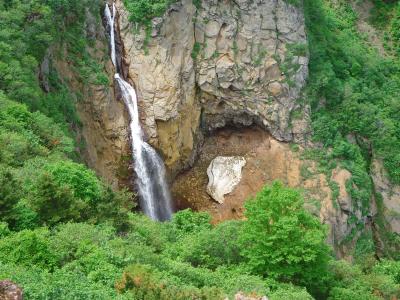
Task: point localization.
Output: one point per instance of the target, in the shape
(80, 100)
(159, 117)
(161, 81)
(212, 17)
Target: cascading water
(154, 194)
(110, 21)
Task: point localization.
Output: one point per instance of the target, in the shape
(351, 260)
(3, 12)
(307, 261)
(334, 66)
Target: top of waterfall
(108, 10)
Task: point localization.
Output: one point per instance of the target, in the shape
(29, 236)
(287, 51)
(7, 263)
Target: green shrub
(187, 221)
(210, 248)
(28, 248)
(142, 11)
(281, 240)
(143, 283)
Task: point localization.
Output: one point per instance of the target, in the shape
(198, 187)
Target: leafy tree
(187, 221)
(28, 248)
(55, 200)
(144, 283)
(281, 240)
(66, 191)
(209, 248)
(9, 194)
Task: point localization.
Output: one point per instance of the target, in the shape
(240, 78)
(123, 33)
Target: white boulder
(224, 173)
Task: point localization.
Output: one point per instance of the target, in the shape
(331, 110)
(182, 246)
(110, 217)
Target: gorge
(192, 81)
(200, 149)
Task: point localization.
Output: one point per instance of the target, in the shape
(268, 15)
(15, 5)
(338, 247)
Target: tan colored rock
(275, 88)
(267, 160)
(248, 36)
(104, 120)
(340, 176)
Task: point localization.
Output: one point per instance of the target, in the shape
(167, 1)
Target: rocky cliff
(230, 64)
(103, 133)
(223, 78)
(219, 64)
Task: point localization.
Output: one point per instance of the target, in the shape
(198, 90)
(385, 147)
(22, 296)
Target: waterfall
(110, 22)
(153, 190)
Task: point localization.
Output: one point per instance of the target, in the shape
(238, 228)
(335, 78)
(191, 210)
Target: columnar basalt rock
(224, 63)
(164, 77)
(252, 64)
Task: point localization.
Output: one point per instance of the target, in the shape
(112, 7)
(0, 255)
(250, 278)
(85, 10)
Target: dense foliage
(354, 91)
(188, 258)
(282, 240)
(64, 234)
(142, 11)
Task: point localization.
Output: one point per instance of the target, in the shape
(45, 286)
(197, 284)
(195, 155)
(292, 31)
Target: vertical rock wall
(164, 77)
(104, 129)
(224, 63)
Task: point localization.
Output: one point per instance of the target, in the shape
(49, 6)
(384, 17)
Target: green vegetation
(143, 11)
(277, 251)
(197, 3)
(353, 91)
(386, 16)
(281, 240)
(196, 50)
(354, 95)
(65, 234)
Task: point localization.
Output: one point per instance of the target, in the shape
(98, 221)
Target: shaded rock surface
(389, 193)
(224, 173)
(10, 291)
(224, 63)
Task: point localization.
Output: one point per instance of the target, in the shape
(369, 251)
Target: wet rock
(10, 291)
(224, 173)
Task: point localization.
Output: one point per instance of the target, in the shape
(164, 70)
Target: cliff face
(224, 63)
(104, 121)
(251, 65)
(204, 77)
(232, 64)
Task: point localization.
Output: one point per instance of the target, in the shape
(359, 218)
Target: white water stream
(153, 189)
